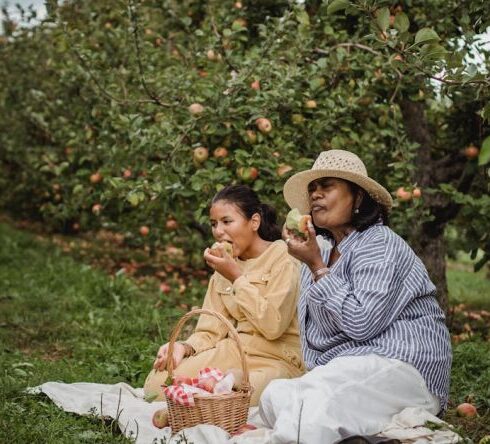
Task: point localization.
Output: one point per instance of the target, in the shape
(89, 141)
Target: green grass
(64, 321)
(468, 287)
(61, 320)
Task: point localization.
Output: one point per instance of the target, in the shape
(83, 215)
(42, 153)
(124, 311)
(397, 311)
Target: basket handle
(231, 330)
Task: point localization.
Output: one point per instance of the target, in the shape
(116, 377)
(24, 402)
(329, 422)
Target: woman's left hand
(225, 265)
(306, 250)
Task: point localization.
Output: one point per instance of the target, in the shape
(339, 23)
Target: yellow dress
(261, 304)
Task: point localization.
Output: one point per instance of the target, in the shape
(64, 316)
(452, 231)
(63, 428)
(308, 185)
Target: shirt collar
(347, 242)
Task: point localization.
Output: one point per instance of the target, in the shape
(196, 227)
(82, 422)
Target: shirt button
(228, 289)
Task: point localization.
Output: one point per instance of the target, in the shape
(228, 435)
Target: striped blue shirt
(378, 298)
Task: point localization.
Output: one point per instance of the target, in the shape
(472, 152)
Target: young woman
(372, 333)
(256, 290)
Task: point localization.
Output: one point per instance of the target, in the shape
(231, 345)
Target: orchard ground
(74, 309)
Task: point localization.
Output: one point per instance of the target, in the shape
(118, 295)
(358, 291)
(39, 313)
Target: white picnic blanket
(134, 416)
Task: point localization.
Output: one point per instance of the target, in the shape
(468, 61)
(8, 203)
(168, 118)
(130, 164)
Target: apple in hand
(216, 251)
(297, 222)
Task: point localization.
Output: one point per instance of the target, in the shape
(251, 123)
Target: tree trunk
(430, 246)
(427, 239)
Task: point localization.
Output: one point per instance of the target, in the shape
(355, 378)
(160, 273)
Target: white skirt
(350, 395)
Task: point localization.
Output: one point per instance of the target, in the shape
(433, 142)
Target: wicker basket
(226, 411)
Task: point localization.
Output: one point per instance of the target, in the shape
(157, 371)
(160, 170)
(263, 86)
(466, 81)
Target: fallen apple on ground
(297, 222)
(160, 418)
(466, 409)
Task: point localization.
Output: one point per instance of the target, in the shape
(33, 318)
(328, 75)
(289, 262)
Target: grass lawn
(62, 320)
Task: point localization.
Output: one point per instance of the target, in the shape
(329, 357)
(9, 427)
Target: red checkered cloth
(184, 393)
(208, 372)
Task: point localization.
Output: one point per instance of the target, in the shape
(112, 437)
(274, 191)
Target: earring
(356, 211)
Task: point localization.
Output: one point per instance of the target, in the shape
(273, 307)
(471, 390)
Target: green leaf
(433, 52)
(401, 22)
(426, 35)
(484, 156)
(337, 5)
(303, 18)
(383, 18)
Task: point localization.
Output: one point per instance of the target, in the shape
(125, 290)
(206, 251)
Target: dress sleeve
(363, 306)
(270, 311)
(209, 330)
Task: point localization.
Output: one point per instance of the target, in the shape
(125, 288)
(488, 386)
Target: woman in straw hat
(372, 333)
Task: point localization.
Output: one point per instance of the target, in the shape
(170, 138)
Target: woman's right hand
(306, 250)
(160, 363)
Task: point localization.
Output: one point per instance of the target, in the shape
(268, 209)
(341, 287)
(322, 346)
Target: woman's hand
(224, 265)
(160, 363)
(306, 250)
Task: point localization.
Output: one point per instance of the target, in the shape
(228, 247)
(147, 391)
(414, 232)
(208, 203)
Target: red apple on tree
(127, 173)
(255, 85)
(200, 154)
(264, 125)
(416, 193)
(220, 153)
(144, 230)
(211, 55)
(310, 104)
(248, 174)
(403, 194)
(283, 169)
(96, 178)
(471, 152)
(196, 109)
(251, 136)
(96, 209)
(171, 224)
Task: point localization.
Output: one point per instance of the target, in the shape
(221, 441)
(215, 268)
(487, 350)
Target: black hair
(248, 203)
(370, 212)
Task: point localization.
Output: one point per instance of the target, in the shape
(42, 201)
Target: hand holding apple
(304, 249)
(224, 265)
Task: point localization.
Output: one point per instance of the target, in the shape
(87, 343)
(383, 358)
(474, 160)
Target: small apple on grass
(466, 409)
(165, 288)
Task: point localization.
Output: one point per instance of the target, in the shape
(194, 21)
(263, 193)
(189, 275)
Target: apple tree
(130, 115)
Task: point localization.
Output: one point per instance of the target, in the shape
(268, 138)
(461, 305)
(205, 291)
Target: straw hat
(333, 163)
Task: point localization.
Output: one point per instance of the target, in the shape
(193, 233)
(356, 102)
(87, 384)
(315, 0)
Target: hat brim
(296, 188)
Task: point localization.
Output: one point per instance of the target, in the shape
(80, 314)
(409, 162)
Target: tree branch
(134, 20)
